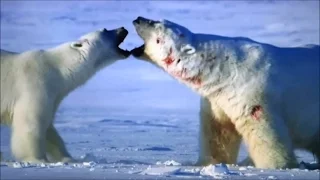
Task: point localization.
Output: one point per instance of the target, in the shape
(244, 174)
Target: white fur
(34, 83)
(233, 75)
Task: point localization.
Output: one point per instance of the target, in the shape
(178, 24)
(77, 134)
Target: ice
(58, 164)
(43, 165)
(169, 163)
(89, 164)
(77, 165)
(166, 170)
(216, 171)
(21, 165)
(242, 169)
(272, 177)
(91, 169)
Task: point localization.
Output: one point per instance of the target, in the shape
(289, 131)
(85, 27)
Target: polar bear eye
(158, 40)
(77, 45)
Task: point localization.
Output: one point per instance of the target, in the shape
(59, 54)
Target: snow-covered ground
(132, 120)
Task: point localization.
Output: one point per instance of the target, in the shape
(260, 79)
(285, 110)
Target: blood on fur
(194, 80)
(169, 59)
(182, 75)
(256, 112)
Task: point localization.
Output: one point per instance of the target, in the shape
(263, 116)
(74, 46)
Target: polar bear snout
(145, 29)
(117, 36)
(144, 25)
(142, 20)
(121, 34)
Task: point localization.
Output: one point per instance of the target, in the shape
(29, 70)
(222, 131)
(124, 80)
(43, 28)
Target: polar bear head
(79, 60)
(161, 36)
(100, 48)
(171, 47)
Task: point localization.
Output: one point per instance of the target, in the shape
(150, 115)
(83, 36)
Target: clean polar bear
(34, 83)
(265, 95)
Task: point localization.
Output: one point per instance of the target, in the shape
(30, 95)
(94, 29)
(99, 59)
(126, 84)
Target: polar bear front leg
(268, 141)
(55, 146)
(29, 126)
(219, 141)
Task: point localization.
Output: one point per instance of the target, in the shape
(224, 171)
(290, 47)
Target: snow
(20, 165)
(160, 170)
(132, 120)
(217, 171)
(125, 171)
(169, 163)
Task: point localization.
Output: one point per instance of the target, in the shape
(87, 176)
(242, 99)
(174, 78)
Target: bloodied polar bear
(34, 83)
(265, 95)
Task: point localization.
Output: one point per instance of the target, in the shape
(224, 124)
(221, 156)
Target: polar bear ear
(188, 49)
(77, 44)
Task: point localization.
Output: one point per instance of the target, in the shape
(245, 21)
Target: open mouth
(122, 34)
(125, 53)
(138, 51)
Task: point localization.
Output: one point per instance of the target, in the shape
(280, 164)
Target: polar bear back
(294, 76)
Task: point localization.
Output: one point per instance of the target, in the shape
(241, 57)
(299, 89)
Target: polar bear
(265, 95)
(33, 84)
